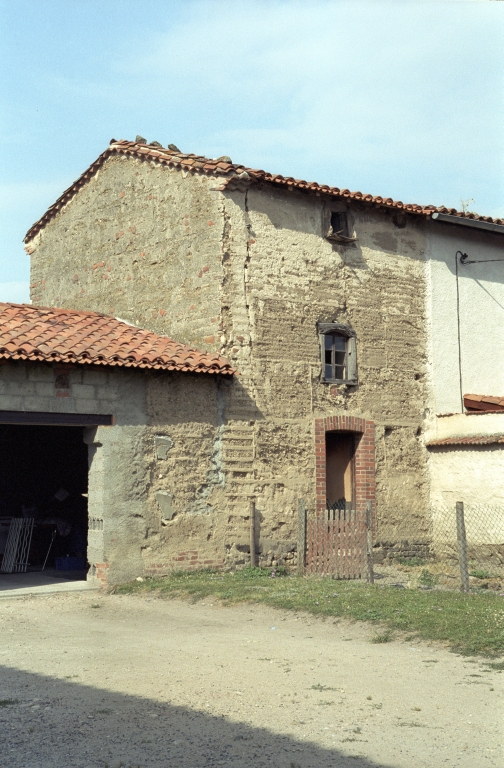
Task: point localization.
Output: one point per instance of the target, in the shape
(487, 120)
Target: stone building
(331, 306)
(93, 414)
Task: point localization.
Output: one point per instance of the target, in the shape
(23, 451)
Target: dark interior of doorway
(340, 480)
(44, 475)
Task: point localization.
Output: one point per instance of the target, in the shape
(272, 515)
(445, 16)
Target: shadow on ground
(48, 723)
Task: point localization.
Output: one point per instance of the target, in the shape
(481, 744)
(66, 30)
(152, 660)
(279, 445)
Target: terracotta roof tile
(71, 336)
(483, 403)
(468, 440)
(230, 173)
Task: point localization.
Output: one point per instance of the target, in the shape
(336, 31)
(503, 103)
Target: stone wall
(282, 277)
(156, 482)
(250, 274)
(140, 242)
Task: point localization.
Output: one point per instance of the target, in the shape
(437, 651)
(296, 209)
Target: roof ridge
(231, 170)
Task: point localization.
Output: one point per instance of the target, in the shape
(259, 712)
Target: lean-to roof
(46, 334)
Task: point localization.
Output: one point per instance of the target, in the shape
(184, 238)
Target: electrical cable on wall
(463, 257)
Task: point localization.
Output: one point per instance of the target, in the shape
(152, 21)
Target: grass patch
(383, 637)
(470, 624)
(7, 702)
(427, 579)
(496, 665)
(412, 561)
(479, 573)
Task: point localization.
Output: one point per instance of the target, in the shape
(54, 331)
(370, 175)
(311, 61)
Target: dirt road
(94, 681)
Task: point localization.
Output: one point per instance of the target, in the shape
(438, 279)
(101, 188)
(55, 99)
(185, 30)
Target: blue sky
(402, 99)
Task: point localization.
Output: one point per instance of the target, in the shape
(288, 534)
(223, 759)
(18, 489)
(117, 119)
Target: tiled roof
(70, 336)
(468, 440)
(233, 176)
(483, 403)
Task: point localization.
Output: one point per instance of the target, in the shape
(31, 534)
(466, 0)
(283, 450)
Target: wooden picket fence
(338, 543)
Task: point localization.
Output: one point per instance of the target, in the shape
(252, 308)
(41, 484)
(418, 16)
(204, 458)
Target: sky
(402, 99)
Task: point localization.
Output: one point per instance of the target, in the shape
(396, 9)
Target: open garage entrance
(43, 476)
(43, 493)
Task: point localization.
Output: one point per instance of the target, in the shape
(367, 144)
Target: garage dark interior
(44, 475)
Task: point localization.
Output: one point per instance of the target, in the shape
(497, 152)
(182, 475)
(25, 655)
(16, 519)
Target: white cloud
(395, 98)
(17, 292)
(401, 99)
(392, 98)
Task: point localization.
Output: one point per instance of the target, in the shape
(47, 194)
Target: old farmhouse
(353, 326)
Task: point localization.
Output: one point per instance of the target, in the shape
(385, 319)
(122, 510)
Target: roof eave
(448, 218)
(234, 173)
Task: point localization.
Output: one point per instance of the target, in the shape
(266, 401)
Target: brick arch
(364, 457)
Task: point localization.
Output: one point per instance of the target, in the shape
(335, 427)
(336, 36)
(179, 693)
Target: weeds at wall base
(470, 624)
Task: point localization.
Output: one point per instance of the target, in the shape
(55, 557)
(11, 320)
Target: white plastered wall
(473, 474)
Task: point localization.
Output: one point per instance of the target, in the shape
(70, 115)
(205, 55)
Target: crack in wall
(248, 225)
(235, 296)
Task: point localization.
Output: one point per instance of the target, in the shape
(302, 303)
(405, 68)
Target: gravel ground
(90, 681)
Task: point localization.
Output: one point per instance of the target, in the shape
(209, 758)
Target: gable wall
(140, 242)
(466, 324)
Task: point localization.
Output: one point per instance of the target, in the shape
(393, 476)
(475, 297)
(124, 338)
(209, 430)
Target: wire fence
(460, 546)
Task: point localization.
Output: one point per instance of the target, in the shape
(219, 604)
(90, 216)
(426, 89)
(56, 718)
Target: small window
(338, 351)
(339, 224)
(335, 356)
(338, 228)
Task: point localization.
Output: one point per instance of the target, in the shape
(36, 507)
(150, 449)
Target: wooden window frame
(350, 365)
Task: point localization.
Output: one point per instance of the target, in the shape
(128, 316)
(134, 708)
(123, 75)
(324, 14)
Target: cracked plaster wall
(283, 278)
(249, 274)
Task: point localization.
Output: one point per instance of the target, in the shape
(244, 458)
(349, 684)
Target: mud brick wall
(140, 242)
(282, 277)
(250, 274)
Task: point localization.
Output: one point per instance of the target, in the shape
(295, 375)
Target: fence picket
(336, 542)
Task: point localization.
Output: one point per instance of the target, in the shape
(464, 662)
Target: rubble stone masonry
(250, 274)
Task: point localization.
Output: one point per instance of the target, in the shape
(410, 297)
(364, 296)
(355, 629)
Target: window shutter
(352, 359)
(322, 353)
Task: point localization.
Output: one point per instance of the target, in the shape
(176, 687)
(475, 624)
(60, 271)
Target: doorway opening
(44, 478)
(340, 469)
